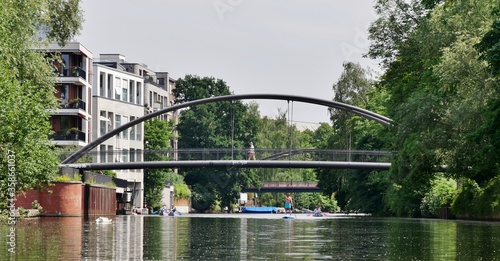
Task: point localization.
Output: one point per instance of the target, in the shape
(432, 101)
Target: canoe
(259, 210)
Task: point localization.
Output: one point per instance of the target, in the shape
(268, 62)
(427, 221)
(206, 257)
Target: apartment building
(158, 94)
(71, 122)
(118, 99)
(99, 95)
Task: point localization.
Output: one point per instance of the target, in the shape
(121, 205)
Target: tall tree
(396, 21)
(157, 136)
(27, 89)
(214, 125)
(358, 190)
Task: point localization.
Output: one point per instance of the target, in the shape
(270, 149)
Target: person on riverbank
(317, 211)
(172, 210)
(288, 204)
(163, 210)
(251, 152)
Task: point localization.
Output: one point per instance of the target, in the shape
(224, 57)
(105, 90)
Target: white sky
(257, 46)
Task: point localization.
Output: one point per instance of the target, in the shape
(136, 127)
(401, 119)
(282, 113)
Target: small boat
(103, 220)
(259, 210)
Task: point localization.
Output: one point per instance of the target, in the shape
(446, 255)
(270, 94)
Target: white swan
(103, 220)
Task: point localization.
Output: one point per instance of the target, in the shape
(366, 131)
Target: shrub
(441, 194)
(488, 202)
(181, 190)
(464, 204)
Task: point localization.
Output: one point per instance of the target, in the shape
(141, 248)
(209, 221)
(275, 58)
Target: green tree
(157, 136)
(27, 89)
(214, 125)
(359, 190)
(437, 90)
(395, 23)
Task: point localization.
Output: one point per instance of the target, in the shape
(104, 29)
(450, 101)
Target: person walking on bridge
(251, 152)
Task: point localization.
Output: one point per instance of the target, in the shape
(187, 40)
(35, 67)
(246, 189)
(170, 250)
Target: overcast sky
(256, 46)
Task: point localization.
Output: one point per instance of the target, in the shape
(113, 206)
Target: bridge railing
(235, 154)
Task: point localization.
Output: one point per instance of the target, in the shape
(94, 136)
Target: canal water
(251, 237)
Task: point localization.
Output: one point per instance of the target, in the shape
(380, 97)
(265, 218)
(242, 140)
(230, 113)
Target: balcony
(74, 104)
(72, 71)
(71, 135)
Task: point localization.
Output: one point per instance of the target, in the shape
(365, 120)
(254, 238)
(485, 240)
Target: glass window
(125, 90)
(64, 94)
(138, 94)
(102, 151)
(118, 88)
(101, 84)
(139, 133)
(103, 123)
(103, 126)
(65, 58)
(110, 153)
(131, 91)
(132, 155)
(124, 158)
(118, 122)
(132, 129)
(125, 132)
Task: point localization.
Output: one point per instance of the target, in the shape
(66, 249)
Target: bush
(464, 204)
(441, 194)
(37, 206)
(181, 190)
(110, 173)
(488, 202)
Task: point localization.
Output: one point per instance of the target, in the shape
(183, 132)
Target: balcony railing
(72, 71)
(64, 135)
(74, 105)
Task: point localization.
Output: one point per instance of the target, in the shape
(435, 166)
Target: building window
(139, 131)
(138, 94)
(125, 132)
(102, 152)
(118, 123)
(132, 129)
(110, 153)
(132, 155)
(125, 90)
(103, 125)
(124, 158)
(64, 95)
(131, 91)
(118, 88)
(102, 89)
(109, 86)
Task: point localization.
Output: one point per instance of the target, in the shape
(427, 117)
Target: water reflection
(208, 238)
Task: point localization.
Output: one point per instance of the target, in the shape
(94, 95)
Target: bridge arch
(332, 104)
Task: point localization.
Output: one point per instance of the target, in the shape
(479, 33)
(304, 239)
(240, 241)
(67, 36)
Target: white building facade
(117, 100)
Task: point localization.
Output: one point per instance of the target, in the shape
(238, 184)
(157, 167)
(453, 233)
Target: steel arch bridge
(69, 162)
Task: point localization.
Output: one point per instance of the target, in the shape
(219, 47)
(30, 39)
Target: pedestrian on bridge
(251, 152)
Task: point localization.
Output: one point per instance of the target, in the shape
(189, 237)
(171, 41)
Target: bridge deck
(230, 164)
(293, 186)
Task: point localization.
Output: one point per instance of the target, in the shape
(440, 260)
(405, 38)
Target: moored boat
(259, 210)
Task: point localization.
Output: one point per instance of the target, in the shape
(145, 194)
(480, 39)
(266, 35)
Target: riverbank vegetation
(440, 86)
